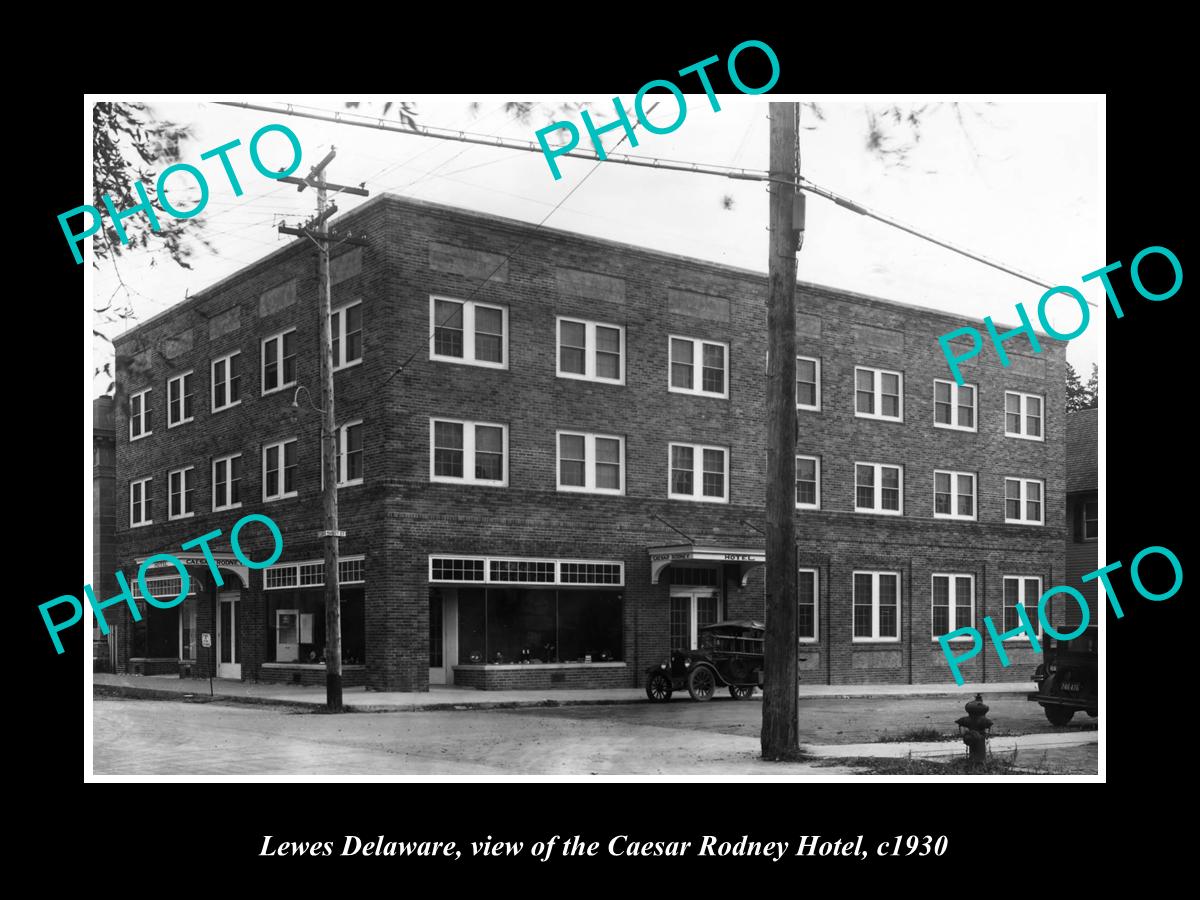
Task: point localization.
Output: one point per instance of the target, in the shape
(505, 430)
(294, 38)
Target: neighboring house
(1083, 508)
(104, 547)
(570, 468)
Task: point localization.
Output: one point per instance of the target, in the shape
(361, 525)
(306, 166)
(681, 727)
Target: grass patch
(873, 765)
(916, 735)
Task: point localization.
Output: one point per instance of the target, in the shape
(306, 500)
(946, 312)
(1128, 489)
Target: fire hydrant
(976, 723)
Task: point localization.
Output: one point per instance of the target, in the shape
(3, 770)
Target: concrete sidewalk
(440, 697)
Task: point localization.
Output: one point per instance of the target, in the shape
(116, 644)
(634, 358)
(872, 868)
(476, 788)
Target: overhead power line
(743, 174)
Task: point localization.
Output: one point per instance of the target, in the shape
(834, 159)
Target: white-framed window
(139, 415)
(698, 472)
(345, 326)
(806, 604)
(227, 482)
(1023, 416)
(808, 482)
(808, 383)
(878, 394)
(953, 495)
(954, 405)
(468, 452)
(1024, 501)
(350, 454)
(591, 463)
(1026, 590)
(180, 399)
(592, 351)
(227, 381)
(279, 470)
(279, 361)
(469, 332)
(179, 493)
(876, 606)
(140, 512)
(878, 488)
(953, 601)
(698, 367)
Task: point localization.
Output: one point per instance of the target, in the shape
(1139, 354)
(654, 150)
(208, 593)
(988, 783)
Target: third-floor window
(468, 332)
(279, 361)
(179, 399)
(953, 405)
(345, 326)
(226, 381)
(699, 367)
(878, 394)
(139, 414)
(593, 351)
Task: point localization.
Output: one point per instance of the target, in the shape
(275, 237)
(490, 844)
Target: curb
(116, 690)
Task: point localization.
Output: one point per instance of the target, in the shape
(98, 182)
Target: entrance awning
(747, 560)
(226, 561)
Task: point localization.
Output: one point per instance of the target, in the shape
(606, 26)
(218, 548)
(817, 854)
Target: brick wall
(397, 518)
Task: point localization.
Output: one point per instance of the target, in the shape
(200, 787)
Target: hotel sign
(747, 559)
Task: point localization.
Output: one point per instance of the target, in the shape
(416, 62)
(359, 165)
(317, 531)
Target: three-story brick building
(552, 465)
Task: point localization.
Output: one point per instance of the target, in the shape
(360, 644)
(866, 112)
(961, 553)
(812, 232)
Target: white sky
(1030, 197)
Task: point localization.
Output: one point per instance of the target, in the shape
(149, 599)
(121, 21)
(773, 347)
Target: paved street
(144, 737)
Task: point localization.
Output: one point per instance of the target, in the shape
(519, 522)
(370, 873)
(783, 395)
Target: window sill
(456, 361)
(945, 427)
(217, 409)
(144, 434)
(290, 496)
(898, 421)
(276, 390)
(493, 667)
(1023, 437)
(350, 365)
(237, 505)
(710, 394)
(181, 422)
(316, 667)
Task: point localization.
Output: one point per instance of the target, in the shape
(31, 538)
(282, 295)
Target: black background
(994, 833)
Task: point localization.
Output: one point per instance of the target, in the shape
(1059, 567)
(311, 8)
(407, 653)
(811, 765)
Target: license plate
(1071, 686)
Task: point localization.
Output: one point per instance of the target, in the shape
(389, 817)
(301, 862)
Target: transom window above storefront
(512, 570)
(311, 573)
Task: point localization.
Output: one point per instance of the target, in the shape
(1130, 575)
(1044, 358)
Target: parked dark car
(1068, 679)
(730, 655)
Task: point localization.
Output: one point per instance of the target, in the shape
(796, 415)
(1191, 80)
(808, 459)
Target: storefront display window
(538, 625)
(296, 626)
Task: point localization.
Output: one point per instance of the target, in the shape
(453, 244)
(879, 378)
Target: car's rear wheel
(741, 691)
(1059, 715)
(702, 684)
(658, 688)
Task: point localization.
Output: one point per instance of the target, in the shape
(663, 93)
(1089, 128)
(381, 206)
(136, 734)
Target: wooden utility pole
(780, 728)
(318, 231)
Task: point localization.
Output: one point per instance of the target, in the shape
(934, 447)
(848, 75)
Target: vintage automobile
(1067, 680)
(730, 654)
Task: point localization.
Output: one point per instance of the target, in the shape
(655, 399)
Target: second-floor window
(808, 482)
(468, 332)
(876, 606)
(139, 414)
(345, 326)
(591, 463)
(806, 610)
(878, 394)
(1023, 415)
(227, 482)
(468, 452)
(699, 367)
(878, 488)
(699, 472)
(1023, 501)
(591, 350)
(953, 405)
(953, 604)
(227, 381)
(179, 487)
(350, 453)
(1026, 591)
(808, 383)
(953, 495)
(279, 361)
(279, 470)
(179, 399)
(1087, 524)
(139, 503)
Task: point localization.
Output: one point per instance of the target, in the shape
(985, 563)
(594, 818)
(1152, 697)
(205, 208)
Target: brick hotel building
(567, 477)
